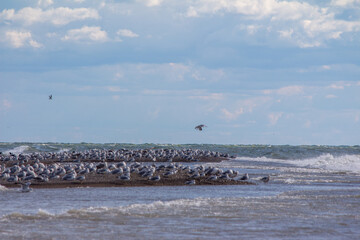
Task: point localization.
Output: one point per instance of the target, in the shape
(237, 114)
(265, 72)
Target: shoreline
(122, 184)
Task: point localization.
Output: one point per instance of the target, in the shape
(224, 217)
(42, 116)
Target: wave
(3, 188)
(344, 163)
(18, 150)
(328, 162)
(199, 207)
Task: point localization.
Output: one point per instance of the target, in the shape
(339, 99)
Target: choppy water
(314, 193)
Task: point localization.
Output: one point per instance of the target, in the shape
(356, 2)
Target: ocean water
(314, 193)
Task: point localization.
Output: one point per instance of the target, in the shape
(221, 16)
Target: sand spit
(100, 168)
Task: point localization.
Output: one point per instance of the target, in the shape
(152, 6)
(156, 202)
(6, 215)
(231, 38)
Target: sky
(149, 71)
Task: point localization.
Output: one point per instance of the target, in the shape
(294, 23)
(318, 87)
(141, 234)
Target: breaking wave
(344, 163)
(199, 207)
(328, 162)
(3, 188)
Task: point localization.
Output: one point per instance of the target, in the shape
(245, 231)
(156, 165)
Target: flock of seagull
(127, 155)
(71, 166)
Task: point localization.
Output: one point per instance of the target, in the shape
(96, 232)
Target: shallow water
(313, 198)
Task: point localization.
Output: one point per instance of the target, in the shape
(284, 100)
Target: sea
(313, 193)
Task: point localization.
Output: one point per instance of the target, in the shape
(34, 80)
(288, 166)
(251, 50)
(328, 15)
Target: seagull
(245, 177)
(50, 97)
(25, 187)
(200, 127)
(265, 179)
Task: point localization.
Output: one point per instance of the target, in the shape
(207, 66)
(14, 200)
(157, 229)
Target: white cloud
(308, 44)
(287, 91)
(274, 117)
(290, 90)
(311, 25)
(115, 89)
(338, 86)
(21, 39)
(252, 29)
(45, 3)
(244, 106)
(345, 3)
(177, 71)
(256, 9)
(126, 33)
(209, 75)
(330, 96)
(212, 96)
(35, 44)
(86, 33)
(152, 3)
(158, 92)
(191, 12)
(286, 33)
(51, 35)
(85, 88)
(56, 16)
(231, 115)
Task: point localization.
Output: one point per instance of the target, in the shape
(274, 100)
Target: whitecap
(326, 162)
(344, 163)
(17, 150)
(3, 188)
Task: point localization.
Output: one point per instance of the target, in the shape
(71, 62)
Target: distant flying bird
(200, 127)
(50, 97)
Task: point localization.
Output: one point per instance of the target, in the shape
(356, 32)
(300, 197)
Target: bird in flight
(200, 127)
(50, 97)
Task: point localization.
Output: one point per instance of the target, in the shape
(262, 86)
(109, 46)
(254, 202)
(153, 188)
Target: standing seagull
(245, 177)
(50, 97)
(25, 187)
(200, 127)
(265, 179)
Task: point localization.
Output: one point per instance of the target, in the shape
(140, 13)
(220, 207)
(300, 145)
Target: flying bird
(50, 97)
(200, 127)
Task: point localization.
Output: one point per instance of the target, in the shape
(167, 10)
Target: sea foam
(327, 162)
(17, 150)
(344, 163)
(3, 188)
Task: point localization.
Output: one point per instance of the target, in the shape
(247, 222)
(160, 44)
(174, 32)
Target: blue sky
(149, 71)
